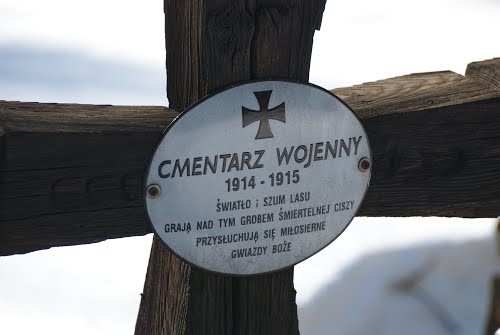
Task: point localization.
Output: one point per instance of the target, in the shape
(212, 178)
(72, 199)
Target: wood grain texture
(167, 292)
(72, 174)
(210, 45)
(436, 135)
(487, 71)
(435, 139)
(414, 92)
(493, 321)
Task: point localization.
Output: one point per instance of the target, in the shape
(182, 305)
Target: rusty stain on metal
(153, 191)
(364, 164)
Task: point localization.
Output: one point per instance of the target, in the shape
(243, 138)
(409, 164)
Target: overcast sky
(95, 44)
(111, 51)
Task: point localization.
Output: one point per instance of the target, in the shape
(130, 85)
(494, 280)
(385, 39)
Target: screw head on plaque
(257, 177)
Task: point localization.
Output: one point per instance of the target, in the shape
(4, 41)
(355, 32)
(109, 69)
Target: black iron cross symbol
(263, 115)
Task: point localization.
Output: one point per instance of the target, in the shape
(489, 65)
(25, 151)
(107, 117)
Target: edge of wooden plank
(31, 117)
(487, 71)
(414, 92)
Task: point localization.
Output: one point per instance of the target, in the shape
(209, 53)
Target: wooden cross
(73, 174)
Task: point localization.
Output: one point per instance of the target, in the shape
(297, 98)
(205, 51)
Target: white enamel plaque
(257, 177)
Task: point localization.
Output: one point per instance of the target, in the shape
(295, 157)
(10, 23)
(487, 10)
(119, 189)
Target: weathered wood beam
(72, 174)
(435, 139)
(487, 71)
(209, 45)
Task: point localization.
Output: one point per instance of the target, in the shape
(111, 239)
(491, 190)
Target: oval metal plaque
(257, 177)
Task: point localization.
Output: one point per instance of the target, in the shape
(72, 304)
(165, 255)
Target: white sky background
(95, 289)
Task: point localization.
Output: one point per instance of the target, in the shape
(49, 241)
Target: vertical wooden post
(493, 321)
(209, 45)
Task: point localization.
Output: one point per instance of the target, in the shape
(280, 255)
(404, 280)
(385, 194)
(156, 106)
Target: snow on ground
(412, 276)
(89, 289)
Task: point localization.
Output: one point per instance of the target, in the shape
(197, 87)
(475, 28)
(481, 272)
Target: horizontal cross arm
(73, 174)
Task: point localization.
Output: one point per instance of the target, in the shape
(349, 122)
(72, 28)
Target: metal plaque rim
(209, 96)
